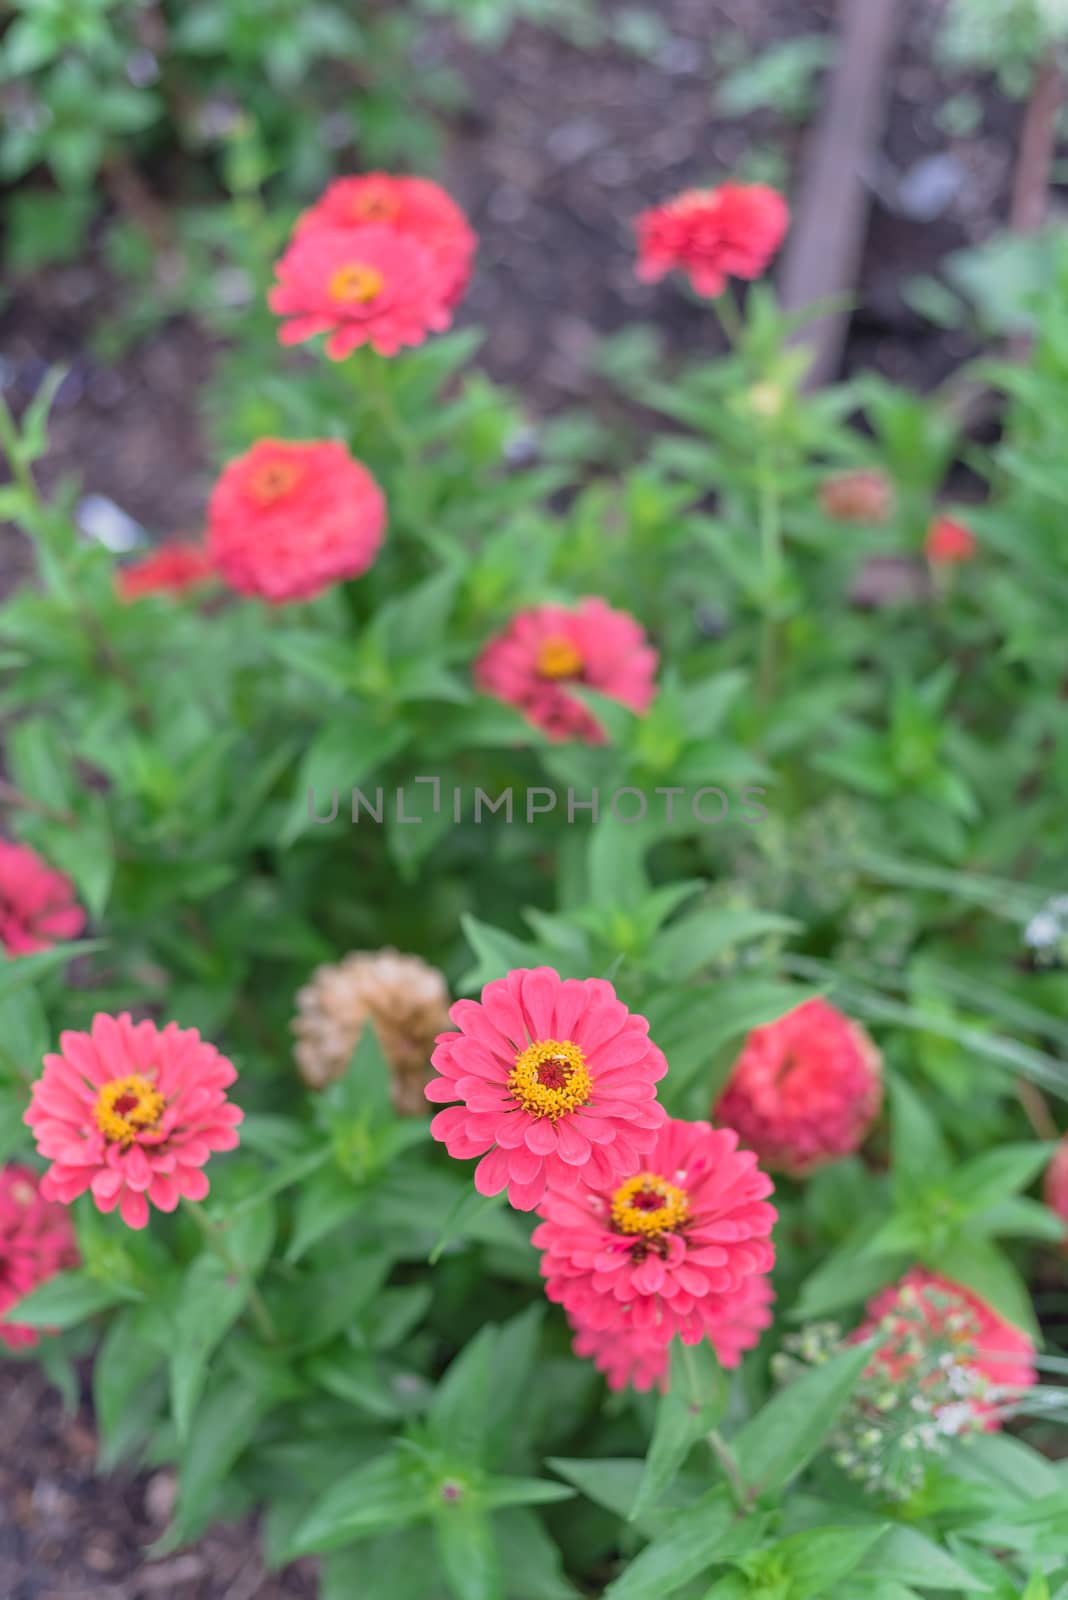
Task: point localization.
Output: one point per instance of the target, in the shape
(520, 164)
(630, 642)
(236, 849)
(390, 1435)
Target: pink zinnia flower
(713, 235)
(132, 1112)
(172, 568)
(1056, 1183)
(983, 1342)
(37, 905)
(557, 1081)
(625, 1357)
(671, 1249)
(414, 207)
(542, 651)
(360, 286)
(805, 1089)
(36, 1242)
(288, 519)
(948, 543)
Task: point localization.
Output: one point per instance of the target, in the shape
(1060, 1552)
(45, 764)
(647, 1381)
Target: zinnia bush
(528, 1060)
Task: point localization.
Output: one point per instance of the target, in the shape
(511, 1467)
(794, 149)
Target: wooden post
(825, 246)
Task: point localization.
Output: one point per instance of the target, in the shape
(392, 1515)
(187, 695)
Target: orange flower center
(355, 284)
(550, 1079)
(647, 1204)
(375, 207)
(559, 658)
(273, 480)
(126, 1107)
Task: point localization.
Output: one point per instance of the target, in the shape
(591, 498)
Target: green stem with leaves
(731, 1471)
(213, 1234)
(771, 563)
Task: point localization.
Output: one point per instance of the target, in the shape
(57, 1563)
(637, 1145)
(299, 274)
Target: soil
(558, 151)
(68, 1534)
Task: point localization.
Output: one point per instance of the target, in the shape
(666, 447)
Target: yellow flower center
(273, 480)
(356, 284)
(648, 1204)
(126, 1107)
(559, 658)
(549, 1079)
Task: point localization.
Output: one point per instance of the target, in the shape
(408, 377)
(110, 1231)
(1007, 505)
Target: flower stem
(771, 556)
(731, 1471)
(729, 316)
(213, 1234)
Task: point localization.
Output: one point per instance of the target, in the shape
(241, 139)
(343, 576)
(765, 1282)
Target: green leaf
(820, 1557)
(404, 1566)
(698, 939)
(67, 1300)
(693, 1542)
(211, 1299)
(469, 1208)
(86, 851)
(779, 1442)
(851, 1274)
(497, 953)
(530, 1558)
(27, 969)
(997, 1175)
(324, 1201)
(467, 1552)
(459, 1412)
(980, 1266)
(499, 1492)
(693, 1405)
(343, 756)
(612, 1483)
(920, 1154)
(616, 864)
(131, 1351)
(226, 1424)
(374, 1498)
(909, 1556)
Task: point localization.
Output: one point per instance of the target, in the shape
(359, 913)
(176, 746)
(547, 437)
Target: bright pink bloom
(983, 1342)
(557, 1081)
(624, 1358)
(1056, 1184)
(948, 543)
(542, 651)
(633, 1358)
(37, 905)
(173, 568)
(414, 207)
(287, 520)
(360, 286)
(36, 1242)
(713, 235)
(132, 1112)
(670, 1250)
(805, 1089)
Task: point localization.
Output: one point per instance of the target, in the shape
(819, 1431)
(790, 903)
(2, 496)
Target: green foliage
(828, 796)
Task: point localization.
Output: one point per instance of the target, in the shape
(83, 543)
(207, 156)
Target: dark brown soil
(67, 1534)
